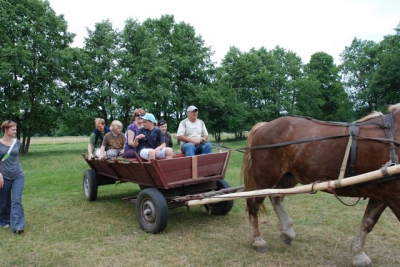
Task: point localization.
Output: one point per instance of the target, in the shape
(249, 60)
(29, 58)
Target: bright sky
(302, 26)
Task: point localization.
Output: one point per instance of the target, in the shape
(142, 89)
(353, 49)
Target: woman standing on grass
(11, 180)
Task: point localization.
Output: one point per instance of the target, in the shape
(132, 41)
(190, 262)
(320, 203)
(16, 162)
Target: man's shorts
(144, 153)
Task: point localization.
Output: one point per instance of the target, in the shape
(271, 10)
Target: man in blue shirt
(150, 141)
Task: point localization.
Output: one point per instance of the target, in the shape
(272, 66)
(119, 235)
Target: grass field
(63, 229)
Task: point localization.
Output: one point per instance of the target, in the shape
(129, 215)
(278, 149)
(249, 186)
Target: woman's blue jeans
(11, 210)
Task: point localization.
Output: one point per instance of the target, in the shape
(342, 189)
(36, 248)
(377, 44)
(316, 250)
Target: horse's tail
(247, 170)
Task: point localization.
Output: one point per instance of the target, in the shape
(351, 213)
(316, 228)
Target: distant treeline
(50, 88)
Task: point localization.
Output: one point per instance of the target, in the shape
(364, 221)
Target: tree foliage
(335, 104)
(263, 83)
(163, 66)
(371, 73)
(385, 85)
(32, 38)
(359, 64)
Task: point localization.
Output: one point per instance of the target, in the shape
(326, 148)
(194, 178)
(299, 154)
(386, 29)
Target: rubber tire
(152, 210)
(220, 208)
(89, 185)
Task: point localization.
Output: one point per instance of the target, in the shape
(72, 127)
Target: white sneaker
(5, 226)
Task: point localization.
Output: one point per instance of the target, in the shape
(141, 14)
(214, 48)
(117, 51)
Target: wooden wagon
(164, 184)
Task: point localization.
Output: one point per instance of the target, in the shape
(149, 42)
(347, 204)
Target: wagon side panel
(211, 165)
(104, 168)
(139, 174)
(191, 170)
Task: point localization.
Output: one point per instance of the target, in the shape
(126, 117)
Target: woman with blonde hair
(113, 142)
(12, 180)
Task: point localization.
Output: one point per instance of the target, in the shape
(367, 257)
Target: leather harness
(388, 127)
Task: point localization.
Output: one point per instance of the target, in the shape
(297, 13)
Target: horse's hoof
(288, 239)
(260, 245)
(362, 260)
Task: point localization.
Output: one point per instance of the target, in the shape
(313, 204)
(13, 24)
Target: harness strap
(293, 142)
(345, 158)
(354, 130)
(390, 134)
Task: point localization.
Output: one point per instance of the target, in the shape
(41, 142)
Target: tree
(165, 66)
(359, 65)
(385, 85)
(308, 97)
(224, 112)
(75, 94)
(31, 40)
(263, 83)
(102, 47)
(335, 105)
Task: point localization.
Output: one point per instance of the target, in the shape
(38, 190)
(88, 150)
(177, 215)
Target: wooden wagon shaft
(224, 192)
(365, 177)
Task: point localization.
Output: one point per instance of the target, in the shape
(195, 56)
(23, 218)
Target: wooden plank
(139, 174)
(175, 164)
(182, 169)
(194, 167)
(156, 174)
(122, 170)
(103, 166)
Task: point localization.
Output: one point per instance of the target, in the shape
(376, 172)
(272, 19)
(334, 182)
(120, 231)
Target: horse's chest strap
(354, 130)
(388, 126)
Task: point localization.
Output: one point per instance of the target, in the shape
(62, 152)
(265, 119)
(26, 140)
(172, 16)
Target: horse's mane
(371, 115)
(394, 108)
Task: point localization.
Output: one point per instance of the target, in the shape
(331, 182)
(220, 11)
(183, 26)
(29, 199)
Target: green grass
(63, 229)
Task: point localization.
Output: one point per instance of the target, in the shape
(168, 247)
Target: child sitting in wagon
(150, 141)
(113, 142)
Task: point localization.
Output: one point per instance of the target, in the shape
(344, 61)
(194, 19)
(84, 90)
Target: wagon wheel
(90, 185)
(152, 210)
(220, 208)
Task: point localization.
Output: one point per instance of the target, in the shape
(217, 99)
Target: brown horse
(292, 150)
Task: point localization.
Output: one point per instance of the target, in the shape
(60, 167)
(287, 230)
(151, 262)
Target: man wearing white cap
(192, 132)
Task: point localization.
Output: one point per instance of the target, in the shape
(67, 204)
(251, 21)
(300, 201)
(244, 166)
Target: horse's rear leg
(285, 222)
(371, 216)
(253, 207)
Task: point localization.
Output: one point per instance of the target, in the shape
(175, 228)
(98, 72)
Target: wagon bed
(163, 174)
